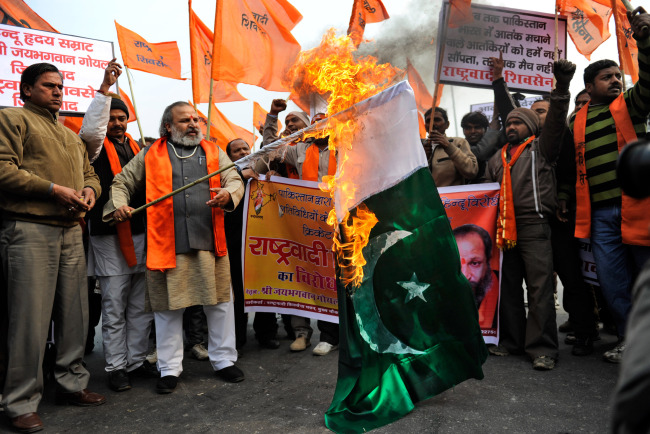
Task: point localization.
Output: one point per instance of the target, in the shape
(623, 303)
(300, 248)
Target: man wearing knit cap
(116, 254)
(524, 169)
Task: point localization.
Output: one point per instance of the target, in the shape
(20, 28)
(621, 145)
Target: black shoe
(270, 344)
(118, 380)
(146, 370)
(232, 374)
(565, 327)
(583, 346)
(166, 384)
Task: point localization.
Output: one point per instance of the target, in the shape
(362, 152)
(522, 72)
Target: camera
(633, 169)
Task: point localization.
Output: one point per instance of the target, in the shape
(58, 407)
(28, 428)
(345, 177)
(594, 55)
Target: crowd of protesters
(163, 280)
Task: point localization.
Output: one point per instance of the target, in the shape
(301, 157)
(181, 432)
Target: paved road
(288, 393)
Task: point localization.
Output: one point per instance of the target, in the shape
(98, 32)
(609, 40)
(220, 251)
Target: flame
(333, 71)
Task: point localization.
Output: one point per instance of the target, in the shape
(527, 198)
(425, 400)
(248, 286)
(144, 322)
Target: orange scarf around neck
(506, 224)
(123, 229)
(310, 166)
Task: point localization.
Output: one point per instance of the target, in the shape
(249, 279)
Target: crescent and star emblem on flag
(372, 328)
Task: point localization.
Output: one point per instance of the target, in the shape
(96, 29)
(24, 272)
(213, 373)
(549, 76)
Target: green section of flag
(410, 331)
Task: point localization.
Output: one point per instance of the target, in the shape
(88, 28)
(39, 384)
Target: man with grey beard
(187, 258)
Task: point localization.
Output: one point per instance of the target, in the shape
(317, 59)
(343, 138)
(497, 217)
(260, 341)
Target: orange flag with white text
(364, 12)
(201, 38)
(17, 13)
(253, 43)
(460, 13)
(162, 58)
(587, 23)
(423, 98)
(222, 131)
(259, 117)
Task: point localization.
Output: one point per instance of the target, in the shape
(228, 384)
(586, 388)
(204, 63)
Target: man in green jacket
(46, 185)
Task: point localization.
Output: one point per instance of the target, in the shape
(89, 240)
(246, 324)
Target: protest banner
(288, 263)
(487, 108)
(81, 61)
(523, 37)
(472, 212)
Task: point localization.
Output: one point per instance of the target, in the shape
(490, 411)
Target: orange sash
(161, 249)
(123, 229)
(506, 224)
(634, 212)
(310, 166)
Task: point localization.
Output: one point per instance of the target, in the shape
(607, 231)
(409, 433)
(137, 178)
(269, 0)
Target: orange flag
(627, 49)
(423, 98)
(162, 58)
(253, 43)
(587, 23)
(460, 13)
(364, 12)
(17, 13)
(129, 105)
(201, 38)
(222, 131)
(259, 117)
(72, 122)
(423, 128)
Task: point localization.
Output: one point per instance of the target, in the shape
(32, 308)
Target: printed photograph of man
(475, 249)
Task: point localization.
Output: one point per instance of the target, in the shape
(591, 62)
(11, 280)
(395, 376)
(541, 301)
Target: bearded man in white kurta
(187, 259)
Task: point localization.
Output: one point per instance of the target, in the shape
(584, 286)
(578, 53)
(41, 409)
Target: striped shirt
(601, 149)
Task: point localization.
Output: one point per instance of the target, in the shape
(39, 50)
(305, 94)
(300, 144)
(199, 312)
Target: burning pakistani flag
(410, 329)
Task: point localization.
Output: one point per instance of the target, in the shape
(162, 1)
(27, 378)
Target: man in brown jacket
(46, 186)
(524, 169)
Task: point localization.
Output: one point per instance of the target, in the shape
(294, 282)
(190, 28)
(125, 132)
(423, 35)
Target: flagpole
(135, 107)
(207, 133)
(439, 69)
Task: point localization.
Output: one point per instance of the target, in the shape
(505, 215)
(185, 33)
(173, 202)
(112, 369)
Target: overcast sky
(167, 20)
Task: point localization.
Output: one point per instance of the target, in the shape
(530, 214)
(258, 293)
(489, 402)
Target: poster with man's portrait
(472, 212)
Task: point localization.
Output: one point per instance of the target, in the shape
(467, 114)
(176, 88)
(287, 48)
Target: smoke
(411, 35)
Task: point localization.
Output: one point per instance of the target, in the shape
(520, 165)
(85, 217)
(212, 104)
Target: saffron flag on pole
(627, 48)
(364, 12)
(129, 105)
(259, 117)
(222, 131)
(410, 330)
(201, 38)
(460, 13)
(17, 13)
(587, 23)
(423, 98)
(162, 58)
(253, 43)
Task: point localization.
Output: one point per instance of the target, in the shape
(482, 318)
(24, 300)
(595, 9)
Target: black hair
(229, 147)
(593, 69)
(582, 92)
(476, 118)
(440, 110)
(31, 74)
